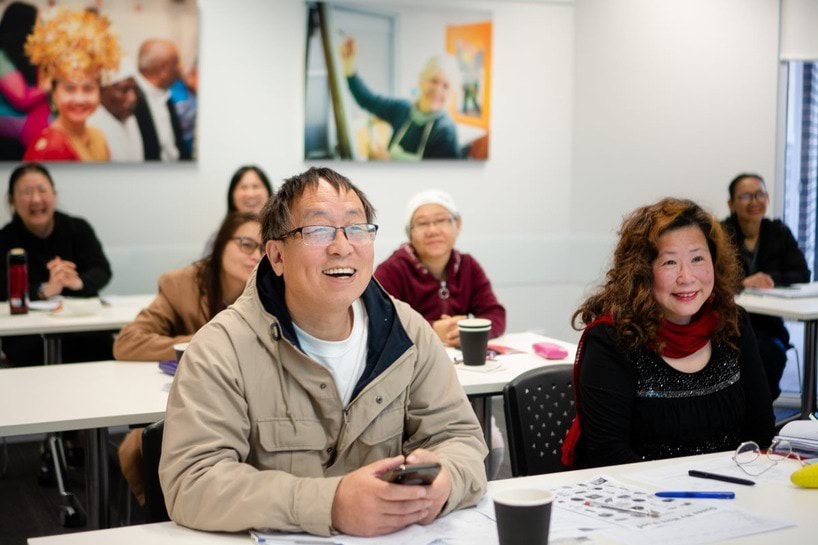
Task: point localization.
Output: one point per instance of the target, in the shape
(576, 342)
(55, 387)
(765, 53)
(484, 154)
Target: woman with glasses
(439, 282)
(770, 257)
(667, 365)
(188, 298)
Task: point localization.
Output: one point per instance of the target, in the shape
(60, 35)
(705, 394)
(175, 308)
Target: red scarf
(682, 340)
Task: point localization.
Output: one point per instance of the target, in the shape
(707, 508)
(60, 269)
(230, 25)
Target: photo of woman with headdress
(73, 50)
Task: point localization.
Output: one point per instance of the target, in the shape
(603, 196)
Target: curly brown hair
(627, 294)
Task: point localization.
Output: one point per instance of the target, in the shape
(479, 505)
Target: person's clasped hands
(61, 274)
(366, 505)
(446, 329)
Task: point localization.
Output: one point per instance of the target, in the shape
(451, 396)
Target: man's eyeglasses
(247, 245)
(357, 234)
(748, 452)
(442, 223)
(759, 195)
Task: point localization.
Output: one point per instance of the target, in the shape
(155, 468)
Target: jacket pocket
(279, 435)
(297, 450)
(388, 425)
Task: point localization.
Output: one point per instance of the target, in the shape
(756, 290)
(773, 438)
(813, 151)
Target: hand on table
(758, 280)
(365, 505)
(446, 329)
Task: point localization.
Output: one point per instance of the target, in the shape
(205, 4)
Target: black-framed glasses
(759, 195)
(247, 245)
(748, 453)
(441, 223)
(322, 235)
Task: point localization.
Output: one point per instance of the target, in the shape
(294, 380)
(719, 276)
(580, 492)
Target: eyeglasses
(357, 234)
(247, 245)
(759, 195)
(748, 452)
(442, 223)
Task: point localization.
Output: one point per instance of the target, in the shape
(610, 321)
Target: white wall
(598, 107)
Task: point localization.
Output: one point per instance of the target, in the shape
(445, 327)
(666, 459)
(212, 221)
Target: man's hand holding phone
(367, 505)
(441, 486)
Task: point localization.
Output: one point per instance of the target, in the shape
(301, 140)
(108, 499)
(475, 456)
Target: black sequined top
(636, 407)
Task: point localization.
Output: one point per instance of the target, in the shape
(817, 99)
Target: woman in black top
(64, 258)
(668, 363)
(770, 257)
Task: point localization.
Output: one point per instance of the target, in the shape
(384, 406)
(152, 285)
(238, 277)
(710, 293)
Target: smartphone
(412, 474)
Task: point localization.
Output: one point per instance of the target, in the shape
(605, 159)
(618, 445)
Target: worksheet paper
(577, 516)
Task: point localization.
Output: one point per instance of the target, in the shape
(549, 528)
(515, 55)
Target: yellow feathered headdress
(71, 42)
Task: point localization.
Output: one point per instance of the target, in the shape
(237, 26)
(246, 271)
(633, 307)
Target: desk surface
(81, 396)
(780, 500)
(121, 311)
(801, 308)
(477, 382)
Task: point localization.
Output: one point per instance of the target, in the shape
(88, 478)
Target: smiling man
(290, 405)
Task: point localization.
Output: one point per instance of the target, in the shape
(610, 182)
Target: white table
(121, 310)
(803, 309)
(481, 386)
(89, 396)
(780, 500)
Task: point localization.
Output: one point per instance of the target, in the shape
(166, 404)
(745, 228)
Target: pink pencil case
(550, 351)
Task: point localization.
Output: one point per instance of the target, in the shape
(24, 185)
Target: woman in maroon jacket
(439, 282)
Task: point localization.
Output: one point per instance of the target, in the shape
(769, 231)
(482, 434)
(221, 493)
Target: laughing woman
(72, 50)
(669, 365)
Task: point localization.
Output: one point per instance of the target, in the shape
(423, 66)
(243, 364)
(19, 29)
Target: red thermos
(17, 280)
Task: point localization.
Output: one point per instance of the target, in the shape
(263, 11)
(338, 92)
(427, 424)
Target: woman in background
(420, 130)
(64, 258)
(668, 363)
(439, 282)
(248, 192)
(23, 104)
(770, 257)
(72, 50)
(187, 299)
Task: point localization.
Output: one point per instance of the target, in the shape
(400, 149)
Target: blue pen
(698, 495)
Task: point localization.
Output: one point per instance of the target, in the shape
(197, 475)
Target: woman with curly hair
(668, 364)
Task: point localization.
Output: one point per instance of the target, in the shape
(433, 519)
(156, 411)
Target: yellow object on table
(806, 477)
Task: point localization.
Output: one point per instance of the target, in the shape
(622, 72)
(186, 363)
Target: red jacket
(467, 289)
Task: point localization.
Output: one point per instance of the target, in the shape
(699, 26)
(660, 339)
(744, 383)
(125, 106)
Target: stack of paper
(802, 435)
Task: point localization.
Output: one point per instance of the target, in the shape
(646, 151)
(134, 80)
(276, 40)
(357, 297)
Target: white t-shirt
(345, 359)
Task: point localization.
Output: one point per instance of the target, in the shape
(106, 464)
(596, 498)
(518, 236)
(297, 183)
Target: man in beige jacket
(289, 406)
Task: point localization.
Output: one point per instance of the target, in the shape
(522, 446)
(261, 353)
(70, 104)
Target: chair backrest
(539, 407)
(155, 510)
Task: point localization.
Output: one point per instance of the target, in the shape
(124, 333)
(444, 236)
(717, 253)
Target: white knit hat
(431, 196)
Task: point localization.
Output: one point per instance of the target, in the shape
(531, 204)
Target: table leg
(482, 408)
(810, 364)
(96, 478)
(52, 349)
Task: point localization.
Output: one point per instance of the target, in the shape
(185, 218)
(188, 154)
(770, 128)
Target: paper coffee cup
(474, 339)
(180, 348)
(523, 515)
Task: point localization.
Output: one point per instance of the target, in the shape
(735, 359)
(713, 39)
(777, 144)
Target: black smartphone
(412, 474)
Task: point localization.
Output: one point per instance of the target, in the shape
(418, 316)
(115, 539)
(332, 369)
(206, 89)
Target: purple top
(466, 290)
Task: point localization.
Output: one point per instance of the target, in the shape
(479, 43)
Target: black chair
(155, 510)
(539, 407)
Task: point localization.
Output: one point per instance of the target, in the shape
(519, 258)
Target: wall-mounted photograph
(391, 82)
(98, 81)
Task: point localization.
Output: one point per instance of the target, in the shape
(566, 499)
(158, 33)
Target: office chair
(539, 407)
(155, 510)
